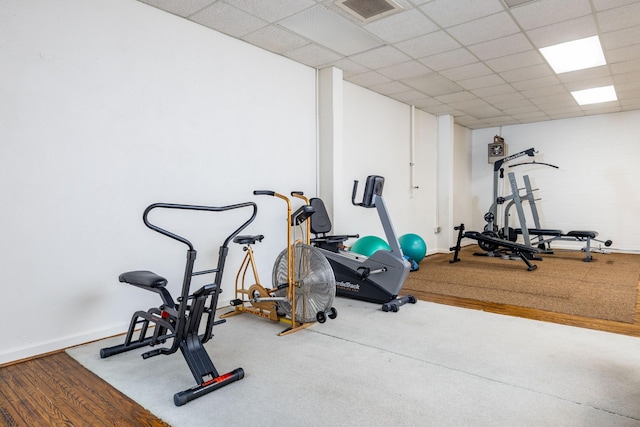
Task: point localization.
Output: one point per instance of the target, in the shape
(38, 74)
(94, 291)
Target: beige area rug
(605, 288)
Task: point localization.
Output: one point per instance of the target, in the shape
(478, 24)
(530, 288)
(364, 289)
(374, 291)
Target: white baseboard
(16, 355)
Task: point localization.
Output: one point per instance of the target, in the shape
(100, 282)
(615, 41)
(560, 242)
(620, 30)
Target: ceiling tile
(631, 104)
(627, 67)
(483, 29)
(501, 47)
(502, 90)
(456, 97)
(573, 29)
(610, 4)
(544, 91)
(448, 13)
(409, 96)
(312, 55)
(402, 26)
(480, 82)
(428, 44)
(536, 83)
(566, 115)
(623, 54)
(380, 57)
(181, 8)
(526, 73)
(405, 70)
(368, 79)
(560, 99)
(583, 75)
(476, 69)
(426, 102)
(433, 84)
(621, 38)
(620, 17)
(449, 59)
(272, 10)
(545, 12)
(390, 88)
(348, 67)
(469, 104)
(228, 19)
(483, 111)
(517, 107)
(275, 39)
(326, 28)
(529, 117)
(517, 60)
(605, 81)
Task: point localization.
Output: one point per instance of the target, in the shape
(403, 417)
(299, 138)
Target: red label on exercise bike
(219, 379)
(164, 314)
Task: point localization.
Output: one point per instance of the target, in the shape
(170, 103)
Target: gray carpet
(428, 364)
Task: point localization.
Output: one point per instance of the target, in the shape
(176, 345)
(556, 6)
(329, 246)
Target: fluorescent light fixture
(595, 95)
(575, 55)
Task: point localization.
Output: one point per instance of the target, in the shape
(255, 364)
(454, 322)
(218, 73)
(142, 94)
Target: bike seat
(248, 240)
(143, 278)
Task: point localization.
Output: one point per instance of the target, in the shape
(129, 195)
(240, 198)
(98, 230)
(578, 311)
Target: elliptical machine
(378, 278)
(176, 324)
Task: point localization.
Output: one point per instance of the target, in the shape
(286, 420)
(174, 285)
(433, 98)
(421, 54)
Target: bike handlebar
(198, 208)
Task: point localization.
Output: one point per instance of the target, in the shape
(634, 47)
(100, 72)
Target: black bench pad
(143, 278)
(583, 234)
(541, 232)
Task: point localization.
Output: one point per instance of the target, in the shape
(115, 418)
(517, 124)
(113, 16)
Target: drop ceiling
(477, 60)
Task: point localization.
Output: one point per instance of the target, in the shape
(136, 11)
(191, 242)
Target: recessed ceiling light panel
(595, 95)
(574, 55)
(328, 29)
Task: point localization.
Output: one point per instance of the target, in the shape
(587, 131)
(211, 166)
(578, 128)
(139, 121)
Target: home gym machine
(490, 243)
(542, 237)
(303, 282)
(178, 321)
(378, 278)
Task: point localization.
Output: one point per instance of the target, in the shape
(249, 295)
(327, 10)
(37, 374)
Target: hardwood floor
(632, 329)
(55, 390)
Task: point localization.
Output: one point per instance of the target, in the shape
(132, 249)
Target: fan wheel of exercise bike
(315, 281)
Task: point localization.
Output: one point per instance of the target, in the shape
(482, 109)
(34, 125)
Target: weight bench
(572, 236)
(524, 252)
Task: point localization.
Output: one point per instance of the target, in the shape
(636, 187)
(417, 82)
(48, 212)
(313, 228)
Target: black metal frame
(489, 242)
(180, 321)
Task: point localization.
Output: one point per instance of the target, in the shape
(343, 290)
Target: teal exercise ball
(367, 245)
(413, 246)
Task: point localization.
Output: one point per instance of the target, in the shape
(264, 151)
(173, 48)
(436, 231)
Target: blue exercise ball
(367, 245)
(413, 246)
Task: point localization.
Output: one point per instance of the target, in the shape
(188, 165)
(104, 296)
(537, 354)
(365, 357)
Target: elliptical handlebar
(264, 193)
(373, 187)
(353, 194)
(198, 208)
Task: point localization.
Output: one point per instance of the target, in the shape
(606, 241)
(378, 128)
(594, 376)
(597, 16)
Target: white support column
(445, 195)
(330, 135)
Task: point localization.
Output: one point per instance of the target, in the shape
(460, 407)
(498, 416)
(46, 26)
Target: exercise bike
(304, 284)
(378, 278)
(178, 321)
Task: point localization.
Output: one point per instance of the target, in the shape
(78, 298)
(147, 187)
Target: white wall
(377, 135)
(596, 185)
(113, 107)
